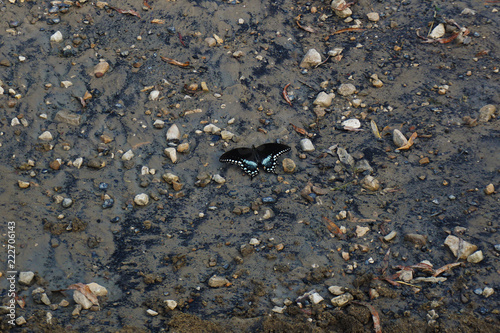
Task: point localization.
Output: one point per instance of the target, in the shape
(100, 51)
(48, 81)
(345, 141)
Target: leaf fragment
(175, 62)
(410, 142)
(375, 129)
(85, 290)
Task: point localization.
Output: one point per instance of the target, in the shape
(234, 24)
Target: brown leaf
(175, 62)
(85, 290)
(158, 21)
(410, 142)
(375, 129)
(332, 227)
(445, 268)
(127, 11)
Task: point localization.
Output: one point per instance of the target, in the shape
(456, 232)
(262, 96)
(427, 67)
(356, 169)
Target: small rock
(128, 155)
(97, 289)
(311, 59)
(101, 68)
(81, 299)
(183, 147)
(23, 184)
(64, 303)
(57, 37)
(55, 164)
(238, 54)
(438, 31)
(346, 89)
(76, 310)
(416, 239)
(173, 133)
(170, 178)
(171, 304)
(345, 255)
(341, 8)
(424, 160)
(152, 313)
(342, 299)
(442, 90)
(226, 135)
(390, 236)
(211, 129)
(159, 124)
(323, 99)
(171, 153)
(46, 136)
(486, 113)
(306, 145)
(361, 231)
(370, 183)
(487, 292)
(14, 122)
(45, 299)
(345, 157)
(211, 42)
(336, 290)
(77, 163)
(26, 277)
(363, 166)
(398, 138)
(315, 298)
(289, 165)
(66, 84)
(460, 248)
(254, 242)
(490, 189)
(351, 123)
(217, 281)
(67, 202)
(141, 199)
(374, 17)
(476, 257)
(219, 179)
(68, 118)
(20, 321)
(153, 95)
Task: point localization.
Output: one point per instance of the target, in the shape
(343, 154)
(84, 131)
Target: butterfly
(249, 159)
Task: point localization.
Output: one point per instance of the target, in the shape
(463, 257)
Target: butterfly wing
(269, 153)
(245, 158)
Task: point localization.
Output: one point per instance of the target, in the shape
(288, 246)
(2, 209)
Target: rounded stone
(311, 59)
(217, 281)
(370, 183)
(346, 89)
(398, 138)
(306, 145)
(141, 199)
(46, 136)
(289, 165)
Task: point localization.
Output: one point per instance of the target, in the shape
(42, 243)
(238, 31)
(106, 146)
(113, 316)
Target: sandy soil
(187, 233)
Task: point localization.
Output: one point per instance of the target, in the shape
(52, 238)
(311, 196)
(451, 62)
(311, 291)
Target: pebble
(370, 183)
(363, 166)
(211, 42)
(159, 124)
(152, 313)
(390, 236)
(489, 189)
(306, 145)
(346, 89)
(67, 117)
(486, 113)
(170, 178)
(351, 123)
(289, 165)
(416, 239)
(20, 321)
(315, 298)
(183, 147)
(345, 157)
(76, 310)
(311, 59)
(226, 135)
(398, 138)
(23, 184)
(460, 248)
(141, 199)
(101, 68)
(45, 299)
(67, 202)
(324, 99)
(342, 299)
(442, 90)
(336, 290)
(335, 51)
(438, 31)
(108, 203)
(46, 136)
(153, 95)
(171, 304)
(487, 292)
(238, 54)
(55, 164)
(374, 17)
(254, 242)
(128, 155)
(345, 12)
(376, 82)
(66, 84)
(26, 277)
(78, 162)
(211, 129)
(81, 299)
(476, 257)
(171, 153)
(361, 231)
(173, 133)
(64, 303)
(217, 281)
(57, 37)
(219, 179)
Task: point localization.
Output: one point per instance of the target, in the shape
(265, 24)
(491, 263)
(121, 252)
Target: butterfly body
(249, 159)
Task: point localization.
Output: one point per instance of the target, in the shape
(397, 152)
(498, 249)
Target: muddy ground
(170, 248)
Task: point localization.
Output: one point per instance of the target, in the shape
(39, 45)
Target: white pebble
(57, 37)
(46, 136)
(306, 145)
(141, 199)
(128, 155)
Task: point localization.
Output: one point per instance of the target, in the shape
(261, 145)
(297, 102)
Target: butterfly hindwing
(249, 159)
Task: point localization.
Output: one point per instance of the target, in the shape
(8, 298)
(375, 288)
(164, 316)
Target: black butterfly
(249, 159)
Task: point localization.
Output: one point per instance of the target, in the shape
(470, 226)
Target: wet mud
(270, 239)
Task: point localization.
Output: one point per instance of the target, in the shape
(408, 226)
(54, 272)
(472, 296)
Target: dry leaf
(85, 290)
(175, 62)
(410, 142)
(158, 21)
(375, 129)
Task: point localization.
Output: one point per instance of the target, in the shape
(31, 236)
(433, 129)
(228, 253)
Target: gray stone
(399, 139)
(346, 89)
(46, 136)
(26, 277)
(342, 299)
(173, 133)
(306, 145)
(141, 199)
(217, 281)
(486, 113)
(67, 117)
(311, 59)
(81, 299)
